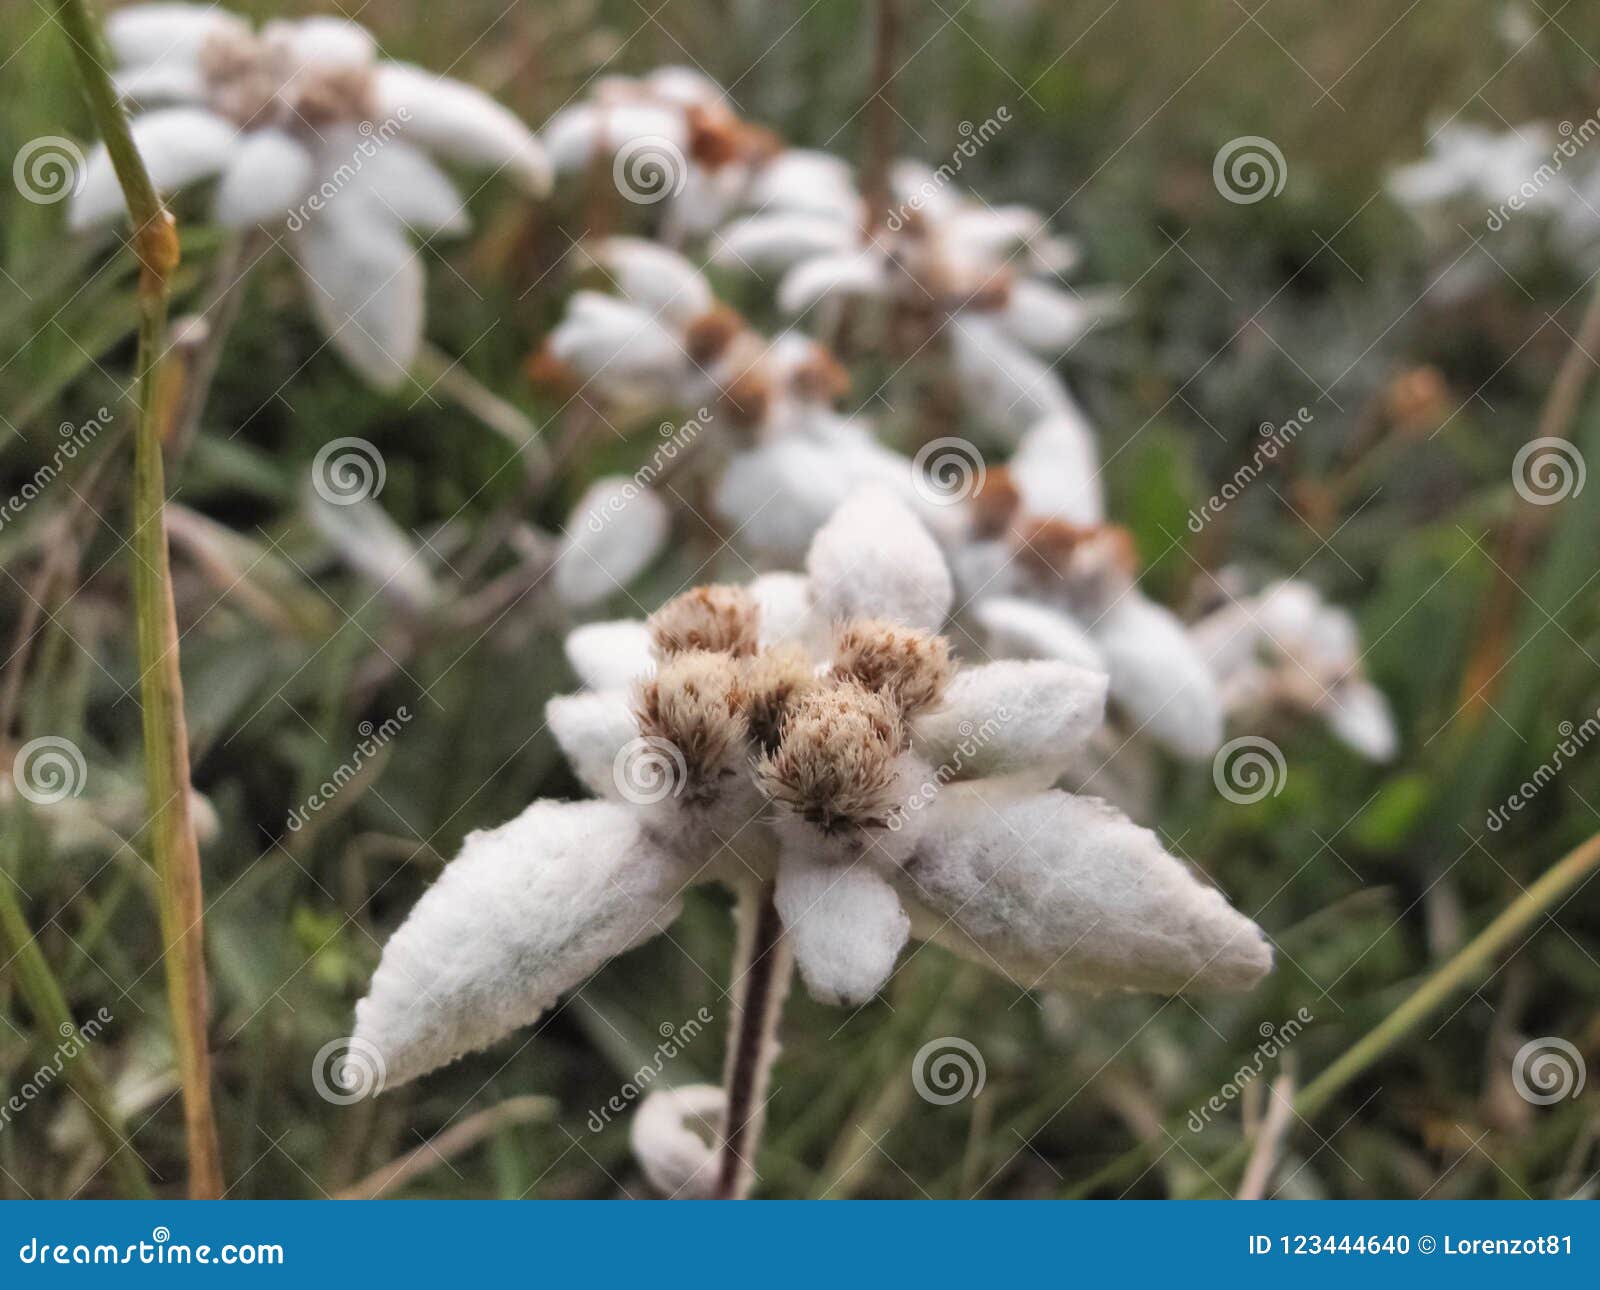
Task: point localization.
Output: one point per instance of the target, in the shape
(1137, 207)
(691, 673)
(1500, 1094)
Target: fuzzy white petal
(400, 184)
(264, 181)
(326, 40)
(609, 340)
(165, 81)
(180, 145)
(365, 283)
(613, 533)
(524, 913)
(780, 240)
(1358, 713)
(1008, 717)
(861, 273)
(461, 123)
(672, 1135)
(1018, 628)
(1062, 891)
(1056, 469)
(874, 560)
(786, 608)
(845, 924)
(801, 179)
(778, 495)
(1046, 318)
(654, 277)
(592, 729)
(608, 656)
(1003, 384)
(686, 86)
(1158, 677)
(149, 33)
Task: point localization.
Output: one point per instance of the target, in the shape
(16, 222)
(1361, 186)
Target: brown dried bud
(994, 503)
(719, 618)
(822, 378)
(771, 682)
(694, 703)
(835, 761)
(910, 667)
(707, 337)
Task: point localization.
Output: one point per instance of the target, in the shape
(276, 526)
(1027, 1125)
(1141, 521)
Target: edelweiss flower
(306, 127)
(1286, 648)
(667, 342)
(670, 136)
(1044, 576)
(811, 733)
(944, 266)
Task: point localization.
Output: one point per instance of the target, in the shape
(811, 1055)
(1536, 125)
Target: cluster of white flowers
(811, 734)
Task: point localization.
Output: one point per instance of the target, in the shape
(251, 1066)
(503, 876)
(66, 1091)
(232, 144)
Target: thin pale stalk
(166, 739)
(52, 1016)
(762, 970)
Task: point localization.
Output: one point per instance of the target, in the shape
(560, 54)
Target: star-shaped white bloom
(812, 732)
(1287, 648)
(944, 266)
(304, 127)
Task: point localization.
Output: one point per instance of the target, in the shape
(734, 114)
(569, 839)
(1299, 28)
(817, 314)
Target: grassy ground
(1481, 626)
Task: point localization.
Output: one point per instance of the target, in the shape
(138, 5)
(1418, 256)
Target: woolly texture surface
(526, 911)
(1001, 718)
(873, 560)
(1159, 677)
(592, 729)
(672, 1136)
(614, 531)
(1064, 891)
(845, 923)
(609, 656)
(1018, 628)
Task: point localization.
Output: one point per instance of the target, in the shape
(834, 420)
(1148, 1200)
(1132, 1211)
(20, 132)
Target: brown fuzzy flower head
(835, 764)
(257, 80)
(695, 704)
(911, 668)
(721, 619)
(747, 397)
(770, 682)
(822, 378)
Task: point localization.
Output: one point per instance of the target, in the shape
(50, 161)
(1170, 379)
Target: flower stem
(166, 739)
(762, 968)
(53, 1018)
(878, 152)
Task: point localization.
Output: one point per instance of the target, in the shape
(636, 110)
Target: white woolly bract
(1001, 718)
(525, 912)
(179, 145)
(874, 560)
(844, 922)
(609, 656)
(1358, 713)
(675, 1135)
(270, 172)
(654, 277)
(1056, 470)
(614, 531)
(1158, 677)
(1018, 628)
(592, 729)
(1065, 892)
